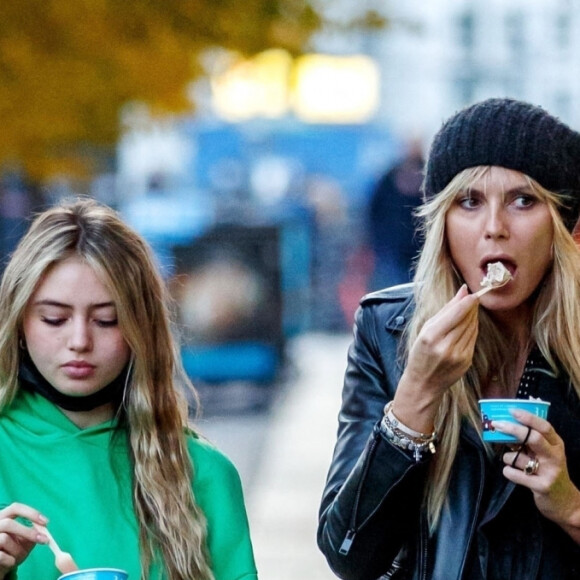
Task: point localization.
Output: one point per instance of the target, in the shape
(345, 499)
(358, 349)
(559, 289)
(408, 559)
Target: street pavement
(283, 456)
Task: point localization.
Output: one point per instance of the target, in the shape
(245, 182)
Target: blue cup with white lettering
(499, 410)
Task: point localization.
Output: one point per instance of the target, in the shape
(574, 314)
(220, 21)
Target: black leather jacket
(371, 506)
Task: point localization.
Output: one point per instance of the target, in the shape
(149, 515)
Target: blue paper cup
(499, 410)
(96, 574)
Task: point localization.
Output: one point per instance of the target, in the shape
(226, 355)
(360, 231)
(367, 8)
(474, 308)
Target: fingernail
(42, 519)
(499, 424)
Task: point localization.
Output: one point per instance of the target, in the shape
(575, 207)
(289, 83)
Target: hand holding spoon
(62, 560)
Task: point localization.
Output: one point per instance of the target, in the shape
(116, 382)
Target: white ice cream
(497, 275)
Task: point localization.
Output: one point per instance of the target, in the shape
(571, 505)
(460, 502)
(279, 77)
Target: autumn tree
(67, 67)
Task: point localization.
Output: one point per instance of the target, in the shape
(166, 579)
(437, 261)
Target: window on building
(466, 30)
(562, 29)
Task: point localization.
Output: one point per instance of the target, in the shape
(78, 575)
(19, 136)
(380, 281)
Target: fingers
(443, 350)
(7, 562)
(8, 545)
(11, 552)
(544, 432)
(462, 306)
(537, 424)
(522, 461)
(467, 332)
(541, 466)
(457, 316)
(541, 451)
(16, 538)
(15, 510)
(454, 327)
(9, 524)
(20, 532)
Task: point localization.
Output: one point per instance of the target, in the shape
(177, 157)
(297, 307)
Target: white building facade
(437, 56)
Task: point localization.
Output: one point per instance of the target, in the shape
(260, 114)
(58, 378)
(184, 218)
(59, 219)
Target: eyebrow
(518, 189)
(49, 302)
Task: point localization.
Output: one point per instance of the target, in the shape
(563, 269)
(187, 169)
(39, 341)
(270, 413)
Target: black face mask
(32, 380)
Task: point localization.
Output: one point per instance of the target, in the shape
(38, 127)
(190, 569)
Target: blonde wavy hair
(155, 408)
(554, 325)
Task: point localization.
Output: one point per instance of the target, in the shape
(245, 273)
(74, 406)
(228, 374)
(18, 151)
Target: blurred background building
(440, 56)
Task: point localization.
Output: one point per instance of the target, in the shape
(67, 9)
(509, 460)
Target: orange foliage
(67, 67)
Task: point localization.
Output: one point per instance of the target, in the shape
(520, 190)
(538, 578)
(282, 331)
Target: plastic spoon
(62, 560)
(496, 285)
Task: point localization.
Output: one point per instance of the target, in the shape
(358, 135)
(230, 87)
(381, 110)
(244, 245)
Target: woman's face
(500, 219)
(71, 330)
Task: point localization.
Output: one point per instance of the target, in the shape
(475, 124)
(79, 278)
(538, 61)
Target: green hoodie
(81, 480)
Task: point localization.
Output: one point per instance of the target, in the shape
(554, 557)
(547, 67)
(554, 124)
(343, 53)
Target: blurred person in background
(93, 419)
(391, 220)
(413, 491)
(17, 200)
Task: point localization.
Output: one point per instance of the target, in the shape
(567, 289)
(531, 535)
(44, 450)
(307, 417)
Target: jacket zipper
(352, 531)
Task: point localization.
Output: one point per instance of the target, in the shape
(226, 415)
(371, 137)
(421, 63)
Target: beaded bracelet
(401, 426)
(406, 438)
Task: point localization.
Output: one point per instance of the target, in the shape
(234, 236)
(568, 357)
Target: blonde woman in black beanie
(413, 491)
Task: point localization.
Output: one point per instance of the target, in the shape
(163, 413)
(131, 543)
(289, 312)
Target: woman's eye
(524, 200)
(469, 202)
(107, 323)
(53, 321)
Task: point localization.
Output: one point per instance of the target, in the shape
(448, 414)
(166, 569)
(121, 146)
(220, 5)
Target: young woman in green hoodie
(94, 435)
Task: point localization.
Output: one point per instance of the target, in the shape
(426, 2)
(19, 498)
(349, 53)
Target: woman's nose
(80, 337)
(496, 223)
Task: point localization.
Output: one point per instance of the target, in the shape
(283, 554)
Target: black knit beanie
(514, 135)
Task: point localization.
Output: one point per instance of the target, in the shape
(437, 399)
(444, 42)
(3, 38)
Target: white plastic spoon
(497, 285)
(62, 560)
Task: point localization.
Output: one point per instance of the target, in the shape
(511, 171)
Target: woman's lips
(78, 370)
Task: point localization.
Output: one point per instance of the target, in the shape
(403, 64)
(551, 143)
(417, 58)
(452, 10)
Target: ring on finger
(532, 466)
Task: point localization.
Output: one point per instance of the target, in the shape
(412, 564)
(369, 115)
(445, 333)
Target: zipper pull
(347, 543)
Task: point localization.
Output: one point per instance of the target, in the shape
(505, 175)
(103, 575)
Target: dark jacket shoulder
(394, 305)
(398, 293)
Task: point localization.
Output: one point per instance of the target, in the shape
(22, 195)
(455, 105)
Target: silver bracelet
(388, 411)
(418, 445)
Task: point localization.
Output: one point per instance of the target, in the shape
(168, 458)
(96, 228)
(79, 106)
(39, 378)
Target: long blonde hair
(554, 328)
(154, 409)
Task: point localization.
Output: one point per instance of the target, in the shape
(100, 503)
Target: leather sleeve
(371, 502)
